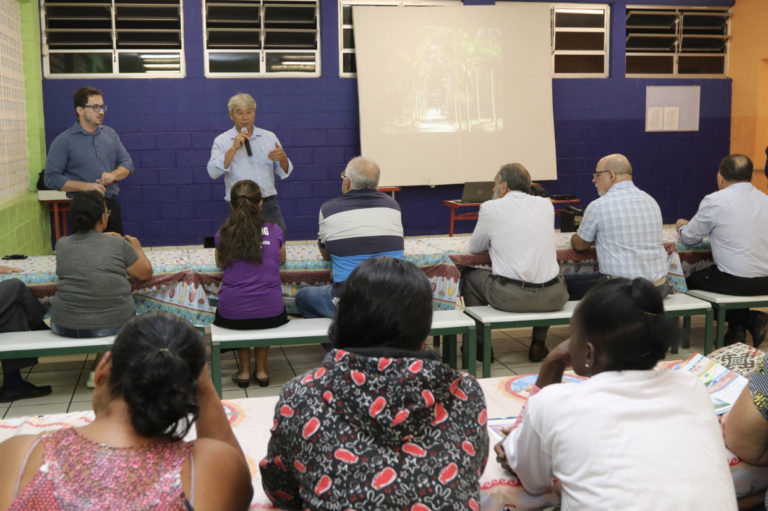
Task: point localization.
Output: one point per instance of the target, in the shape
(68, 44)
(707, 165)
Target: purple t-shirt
(252, 291)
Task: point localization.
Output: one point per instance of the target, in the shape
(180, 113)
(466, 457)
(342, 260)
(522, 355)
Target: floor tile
(18, 409)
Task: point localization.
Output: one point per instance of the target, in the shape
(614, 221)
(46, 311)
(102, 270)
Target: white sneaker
(91, 382)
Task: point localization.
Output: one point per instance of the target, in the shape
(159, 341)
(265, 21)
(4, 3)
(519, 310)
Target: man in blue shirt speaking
(89, 156)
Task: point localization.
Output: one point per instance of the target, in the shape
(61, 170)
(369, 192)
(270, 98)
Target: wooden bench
(721, 303)
(296, 331)
(488, 318)
(44, 343)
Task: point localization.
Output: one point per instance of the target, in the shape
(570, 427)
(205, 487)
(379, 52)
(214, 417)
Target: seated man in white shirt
(517, 229)
(735, 219)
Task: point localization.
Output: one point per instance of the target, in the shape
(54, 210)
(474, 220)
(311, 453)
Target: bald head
(618, 163)
(363, 174)
(736, 168)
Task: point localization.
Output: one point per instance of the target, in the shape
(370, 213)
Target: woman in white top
(631, 436)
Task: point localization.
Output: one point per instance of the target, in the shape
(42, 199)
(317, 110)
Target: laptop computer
(477, 191)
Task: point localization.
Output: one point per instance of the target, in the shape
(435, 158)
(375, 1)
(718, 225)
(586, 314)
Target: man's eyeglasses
(598, 172)
(343, 175)
(97, 108)
(108, 211)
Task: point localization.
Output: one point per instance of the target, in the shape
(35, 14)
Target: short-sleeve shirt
(625, 225)
(93, 291)
(253, 291)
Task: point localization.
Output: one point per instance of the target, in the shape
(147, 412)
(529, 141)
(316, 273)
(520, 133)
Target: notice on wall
(672, 108)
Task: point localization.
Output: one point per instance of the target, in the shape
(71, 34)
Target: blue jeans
(83, 333)
(316, 301)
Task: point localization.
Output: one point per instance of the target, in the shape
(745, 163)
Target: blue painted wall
(168, 127)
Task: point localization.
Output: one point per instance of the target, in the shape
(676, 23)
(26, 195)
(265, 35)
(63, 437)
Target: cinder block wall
(168, 127)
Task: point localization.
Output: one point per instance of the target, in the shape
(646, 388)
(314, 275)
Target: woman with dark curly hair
(150, 389)
(250, 250)
(631, 436)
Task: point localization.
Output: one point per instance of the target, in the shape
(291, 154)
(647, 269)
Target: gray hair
(241, 100)
(363, 173)
(516, 176)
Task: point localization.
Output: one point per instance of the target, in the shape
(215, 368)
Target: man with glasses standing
(625, 225)
(89, 156)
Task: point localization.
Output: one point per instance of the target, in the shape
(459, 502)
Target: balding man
(516, 228)
(734, 218)
(625, 225)
(360, 224)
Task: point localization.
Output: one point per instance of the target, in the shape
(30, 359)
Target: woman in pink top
(149, 391)
(250, 250)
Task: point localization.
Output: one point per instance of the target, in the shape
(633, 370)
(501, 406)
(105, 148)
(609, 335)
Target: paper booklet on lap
(724, 385)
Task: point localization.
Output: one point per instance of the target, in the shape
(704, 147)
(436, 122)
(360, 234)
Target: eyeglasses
(343, 175)
(108, 211)
(97, 108)
(598, 172)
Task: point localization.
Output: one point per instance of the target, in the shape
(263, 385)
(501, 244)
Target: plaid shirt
(626, 226)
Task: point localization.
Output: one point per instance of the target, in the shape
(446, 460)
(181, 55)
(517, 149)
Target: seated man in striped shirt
(517, 229)
(360, 224)
(625, 225)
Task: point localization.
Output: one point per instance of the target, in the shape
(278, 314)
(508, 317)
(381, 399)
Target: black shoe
(756, 326)
(734, 334)
(538, 351)
(29, 391)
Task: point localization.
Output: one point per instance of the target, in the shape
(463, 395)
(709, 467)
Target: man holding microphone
(248, 152)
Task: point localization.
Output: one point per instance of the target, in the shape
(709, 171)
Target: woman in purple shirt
(250, 250)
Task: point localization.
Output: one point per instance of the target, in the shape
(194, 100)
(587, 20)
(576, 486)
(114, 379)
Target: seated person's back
(382, 424)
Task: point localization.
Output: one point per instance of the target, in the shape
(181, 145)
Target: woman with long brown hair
(250, 250)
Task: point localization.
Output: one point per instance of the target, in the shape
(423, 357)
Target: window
(261, 38)
(347, 63)
(580, 40)
(579, 36)
(103, 38)
(677, 41)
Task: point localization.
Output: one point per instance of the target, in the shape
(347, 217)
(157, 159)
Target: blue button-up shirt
(626, 226)
(258, 168)
(79, 155)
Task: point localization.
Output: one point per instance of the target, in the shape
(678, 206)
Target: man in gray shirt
(89, 156)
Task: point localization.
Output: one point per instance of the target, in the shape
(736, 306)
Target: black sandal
(263, 382)
(241, 382)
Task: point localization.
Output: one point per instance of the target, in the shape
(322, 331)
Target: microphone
(244, 131)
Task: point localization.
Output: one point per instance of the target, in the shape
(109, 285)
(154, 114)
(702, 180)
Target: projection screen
(449, 94)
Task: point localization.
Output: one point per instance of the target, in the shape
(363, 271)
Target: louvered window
(677, 41)
(125, 38)
(262, 38)
(580, 40)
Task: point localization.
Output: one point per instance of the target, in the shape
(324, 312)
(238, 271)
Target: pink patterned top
(78, 473)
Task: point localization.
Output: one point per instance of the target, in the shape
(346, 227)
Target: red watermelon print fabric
(396, 432)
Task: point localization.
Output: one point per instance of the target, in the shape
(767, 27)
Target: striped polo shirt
(359, 225)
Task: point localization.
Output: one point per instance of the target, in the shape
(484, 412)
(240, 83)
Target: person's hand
(560, 354)
(5, 270)
(107, 178)
(501, 456)
(554, 365)
(94, 186)
(133, 241)
(680, 222)
(239, 141)
(277, 154)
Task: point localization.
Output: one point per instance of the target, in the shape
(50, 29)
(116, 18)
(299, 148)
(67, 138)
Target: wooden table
(58, 204)
(455, 205)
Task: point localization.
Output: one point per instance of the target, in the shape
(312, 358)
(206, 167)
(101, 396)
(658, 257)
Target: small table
(58, 204)
(390, 189)
(455, 205)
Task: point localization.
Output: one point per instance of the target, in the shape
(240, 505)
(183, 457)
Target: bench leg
(449, 350)
(470, 339)
(436, 342)
(720, 326)
(708, 332)
(687, 332)
(216, 367)
(484, 333)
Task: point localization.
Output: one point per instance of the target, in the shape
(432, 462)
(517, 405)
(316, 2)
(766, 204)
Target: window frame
(679, 11)
(605, 30)
(115, 52)
(263, 51)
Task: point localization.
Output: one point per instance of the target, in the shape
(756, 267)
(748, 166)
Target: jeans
(316, 301)
(83, 333)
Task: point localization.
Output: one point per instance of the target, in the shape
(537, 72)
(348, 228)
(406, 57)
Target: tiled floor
(67, 375)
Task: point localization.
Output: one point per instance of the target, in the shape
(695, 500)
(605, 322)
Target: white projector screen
(449, 94)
